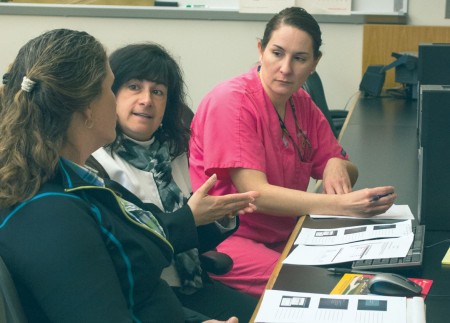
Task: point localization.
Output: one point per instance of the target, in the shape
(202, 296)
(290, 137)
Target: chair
(187, 115)
(314, 87)
(11, 310)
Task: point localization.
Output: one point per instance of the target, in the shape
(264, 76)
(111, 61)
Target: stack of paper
(287, 307)
(395, 212)
(336, 245)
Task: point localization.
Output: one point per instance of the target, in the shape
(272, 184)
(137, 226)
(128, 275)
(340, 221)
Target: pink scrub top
(236, 126)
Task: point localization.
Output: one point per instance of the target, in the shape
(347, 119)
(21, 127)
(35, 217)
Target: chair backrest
(314, 87)
(187, 116)
(11, 310)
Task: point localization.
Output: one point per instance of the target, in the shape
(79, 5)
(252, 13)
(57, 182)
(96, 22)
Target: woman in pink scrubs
(261, 131)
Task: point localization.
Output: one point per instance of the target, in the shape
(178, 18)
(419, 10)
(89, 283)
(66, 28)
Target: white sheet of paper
(395, 212)
(289, 307)
(264, 6)
(415, 310)
(369, 249)
(330, 7)
(335, 236)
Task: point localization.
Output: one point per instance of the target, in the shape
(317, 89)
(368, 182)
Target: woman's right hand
(369, 201)
(209, 208)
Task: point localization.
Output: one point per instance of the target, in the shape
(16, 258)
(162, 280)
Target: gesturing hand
(208, 208)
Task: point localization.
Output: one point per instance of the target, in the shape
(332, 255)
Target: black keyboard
(413, 258)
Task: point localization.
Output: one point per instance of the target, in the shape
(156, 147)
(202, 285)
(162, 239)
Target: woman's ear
(260, 50)
(316, 61)
(88, 113)
(88, 116)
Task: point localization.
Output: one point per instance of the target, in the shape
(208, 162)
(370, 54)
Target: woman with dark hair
(148, 157)
(261, 131)
(149, 61)
(80, 248)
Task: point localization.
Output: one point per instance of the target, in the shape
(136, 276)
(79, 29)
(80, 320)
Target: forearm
(276, 200)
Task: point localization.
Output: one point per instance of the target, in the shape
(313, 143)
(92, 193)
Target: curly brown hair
(67, 68)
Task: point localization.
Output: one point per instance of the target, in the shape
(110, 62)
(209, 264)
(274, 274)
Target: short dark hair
(296, 17)
(152, 62)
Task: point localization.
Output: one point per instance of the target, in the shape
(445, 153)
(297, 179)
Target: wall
(211, 51)
(380, 41)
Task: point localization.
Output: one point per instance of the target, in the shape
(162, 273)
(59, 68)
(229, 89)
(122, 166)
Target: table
(381, 137)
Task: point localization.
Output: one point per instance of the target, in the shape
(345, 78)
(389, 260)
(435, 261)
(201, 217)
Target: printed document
(368, 249)
(289, 307)
(395, 212)
(334, 236)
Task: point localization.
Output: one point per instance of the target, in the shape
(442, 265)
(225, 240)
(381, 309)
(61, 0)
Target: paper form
(395, 212)
(334, 236)
(369, 249)
(286, 307)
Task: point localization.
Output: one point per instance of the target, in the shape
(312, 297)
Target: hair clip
(5, 78)
(27, 84)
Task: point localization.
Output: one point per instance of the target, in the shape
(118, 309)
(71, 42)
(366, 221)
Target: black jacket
(75, 256)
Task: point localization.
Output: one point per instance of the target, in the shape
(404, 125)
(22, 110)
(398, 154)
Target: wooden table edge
(276, 270)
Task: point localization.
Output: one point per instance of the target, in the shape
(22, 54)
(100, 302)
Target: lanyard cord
(305, 141)
(306, 145)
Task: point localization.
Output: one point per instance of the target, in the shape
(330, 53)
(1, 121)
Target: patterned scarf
(156, 159)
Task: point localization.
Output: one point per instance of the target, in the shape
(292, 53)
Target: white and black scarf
(156, 159)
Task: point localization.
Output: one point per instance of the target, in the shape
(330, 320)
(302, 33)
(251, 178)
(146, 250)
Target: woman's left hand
(209, 208)
(336, 177)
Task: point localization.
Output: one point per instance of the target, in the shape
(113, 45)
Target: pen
(377, 197)
(337, 271)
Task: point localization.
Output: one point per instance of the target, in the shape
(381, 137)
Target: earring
(89, 123)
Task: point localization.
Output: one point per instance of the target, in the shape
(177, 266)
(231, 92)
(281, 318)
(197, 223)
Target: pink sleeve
(225, 126)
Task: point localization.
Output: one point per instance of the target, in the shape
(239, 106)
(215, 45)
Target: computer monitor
(434, 157)
(433, 69)
(434, 63)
